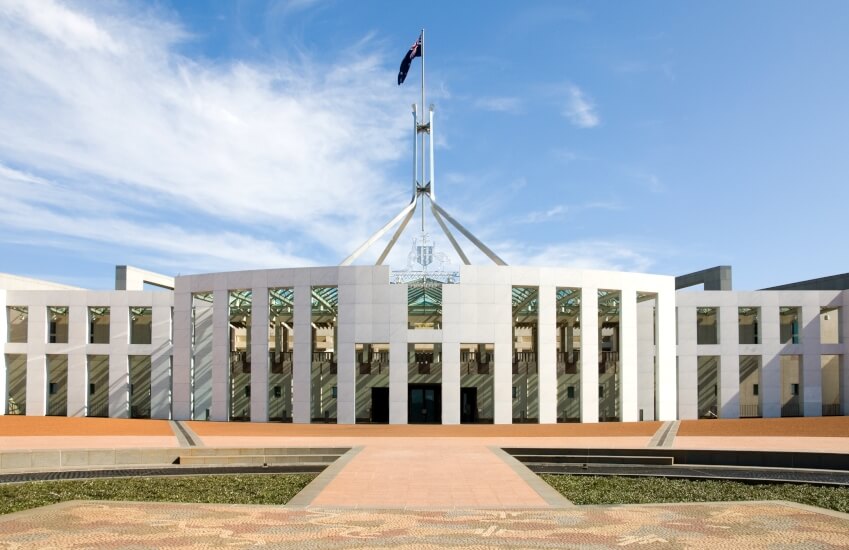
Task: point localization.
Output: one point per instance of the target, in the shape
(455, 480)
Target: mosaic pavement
(151, 525)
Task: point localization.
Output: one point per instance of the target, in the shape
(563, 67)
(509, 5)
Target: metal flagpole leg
(394, 238)
(382, 231)
(482, 247)
(450, 235)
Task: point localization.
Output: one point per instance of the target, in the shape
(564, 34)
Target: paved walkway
(107, 525)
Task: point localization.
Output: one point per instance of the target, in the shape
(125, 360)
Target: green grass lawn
(227, 489)
(642, 490)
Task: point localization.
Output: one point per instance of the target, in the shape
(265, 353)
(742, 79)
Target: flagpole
(424, 182)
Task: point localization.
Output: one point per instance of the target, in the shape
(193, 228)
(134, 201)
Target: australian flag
(415, 51)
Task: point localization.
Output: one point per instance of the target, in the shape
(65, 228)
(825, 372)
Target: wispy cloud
(104, 110)
(540, 216)
(512, 105)
(580, 109)
(581, 254)
(560, 211)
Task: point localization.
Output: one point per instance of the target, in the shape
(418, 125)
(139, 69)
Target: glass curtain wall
(98, 386)
(568, 354)
(609, 303)
(750, 384)
(789, 327)
(708, 386)
(140, 386)
(525, 392)
(424, 384)
(141, 320)
(748, 325)
(57, 385)
(281, 342)
(57, 324)
(707, 319)
(240, 302)
(201, 368)
(324, 307)
(16, 384)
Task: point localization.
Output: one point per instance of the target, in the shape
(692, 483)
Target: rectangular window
(755, 389)
(794, 389)
(98, 325)
(601, 392)
(334, 392)
(141, 319)
(707, 319)
(570, 392)
(57, 319)
(515, 392)
(748, 327)
(789, 324)
(829, 325)
(92, 389)
(278, 392)
(16, 324)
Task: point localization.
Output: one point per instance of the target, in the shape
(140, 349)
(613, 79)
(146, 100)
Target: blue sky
(188, 137)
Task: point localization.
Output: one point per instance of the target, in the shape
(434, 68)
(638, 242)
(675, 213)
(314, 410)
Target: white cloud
(104, 111)
(540, 216)
(499, 104)
(582, 254)
(580, 109)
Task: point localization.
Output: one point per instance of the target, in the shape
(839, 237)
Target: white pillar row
(398, 356)
(589, 355)
(547, 354)
(450, 381)
(628, 377)
(181, 384)
(667, 402)
(259, 354)
(77, 364)
(811, 375)
(302, 355)
(220, 410)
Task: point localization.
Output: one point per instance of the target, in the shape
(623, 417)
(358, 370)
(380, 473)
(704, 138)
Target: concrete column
(645, 358)
(4, 387)
(346, 377)
(688, 378)
(302, 355)
(202, 361)
(547, 354)
(259, 354)
(811, 375)
(503, 377)
(450, 382)
(119, 366)
(37, 361)
(589, 355)
(770, 379)
(221, 355)
(181, 380)
(160, 363)
(398, 356)
(844, 358)
(729, 362)
(628, 378)
(667, 401)
(78, 338)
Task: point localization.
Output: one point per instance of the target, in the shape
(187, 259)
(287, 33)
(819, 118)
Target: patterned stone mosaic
(159, 525)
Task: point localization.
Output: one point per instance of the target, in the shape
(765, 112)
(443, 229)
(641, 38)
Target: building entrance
(425, 404)
(380, 405)
(468, 405)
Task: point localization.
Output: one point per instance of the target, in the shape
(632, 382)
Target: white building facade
(356, 344)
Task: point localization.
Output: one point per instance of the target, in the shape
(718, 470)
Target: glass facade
(281, 342)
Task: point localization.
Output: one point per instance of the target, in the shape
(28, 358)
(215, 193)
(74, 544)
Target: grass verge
(223, 489)
(643, 490)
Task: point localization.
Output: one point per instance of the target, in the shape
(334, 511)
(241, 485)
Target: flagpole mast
(421, 124)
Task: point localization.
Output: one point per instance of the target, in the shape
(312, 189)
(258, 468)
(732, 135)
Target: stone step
(595, 459)
(256, 460)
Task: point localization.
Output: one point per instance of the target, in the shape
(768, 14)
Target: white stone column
(37, 360)
(259, 354)
(844, 358)
(589, 355)
(667, 398)
(547, 355)
(302, 355)
(770, 380)
(202, 361)
(160, 362)
(628, 381)
(346, 376)
(181, 381)
(77, 364)
(811, 375)
(688, 377)
(729, 362)
(645, 360)
(503, 355)
(119, 366)
(398, 356)
(221, 355)
(450, 380)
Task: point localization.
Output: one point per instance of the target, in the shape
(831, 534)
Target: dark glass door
(380, 405)
(468, 405)
(424, 404)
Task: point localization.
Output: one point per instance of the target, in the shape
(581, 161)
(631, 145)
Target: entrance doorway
(380, 405)
(424, 404)
(468, 405)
